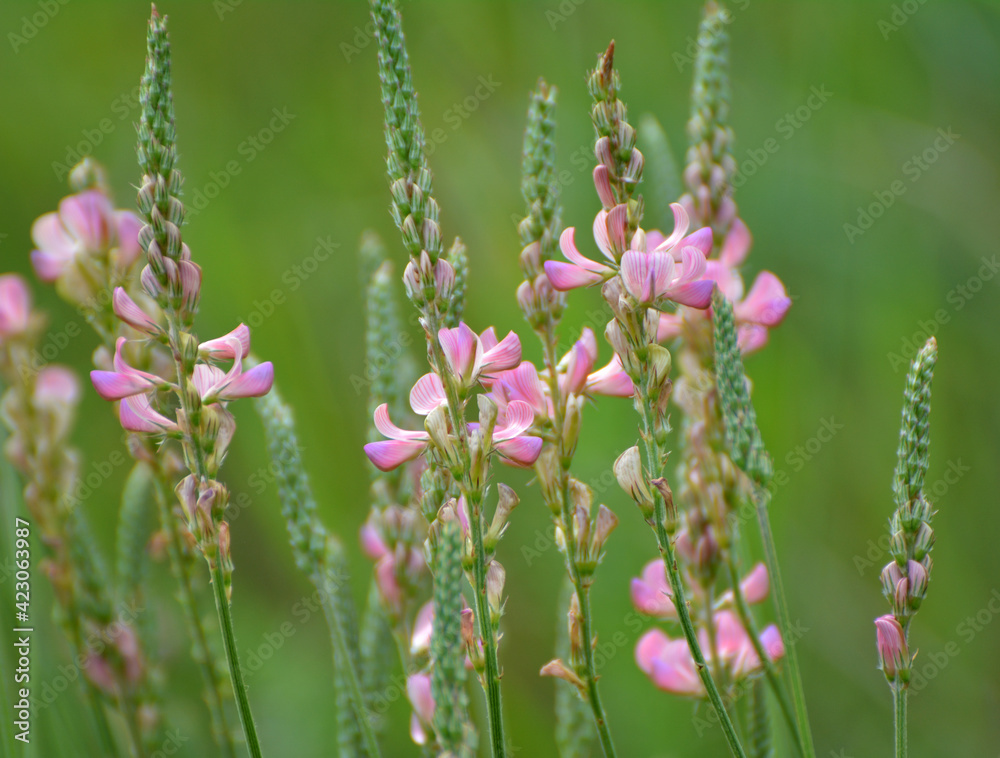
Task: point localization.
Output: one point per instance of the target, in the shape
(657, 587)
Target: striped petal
(505, 355)
(137, 415)
(128, 311)
(386, 428)
(88, 218)
(113, 385)
(681, 224)
(737, 245)
(694, 294)
(221, 348)
(569, 249)
(253, 383)
(427, 394)
(611, 380)
(566, 276)
(520, 452)
(518, 420)
(389, 454)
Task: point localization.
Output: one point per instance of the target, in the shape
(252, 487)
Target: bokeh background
(897, 76)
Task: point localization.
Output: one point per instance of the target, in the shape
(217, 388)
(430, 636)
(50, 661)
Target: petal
(136, 415)
(423, 625)
(462, 350)
(701, 239)
(766, 303)
(681, 223)
(371, 543)
(393, 432)
(207, 378)
(56, 385)
(650, 648)
(122, 367)
(590, 342)
(662, 272)
(737, 245)
(112, 385)
(751, 338)
(253, 383)
(694, 294)
(427, 394)
(772, 643)
(617, 221)
(51, 237)
(635, 274)
(577, 368)
(566, 276)
(15, 304)
(755, 585)
(127, 225)
(677, 675)
(128, 311)
(610, 380)
(693, 264)
(518, 419)
(222, 348)
(88, 218)
(601, 234)
(48, 265)
(505, 355)
(418, 690)
(488, 338)
(669, 327)
(389, 454)
(523, 383)
(729, 281)
(520, 451)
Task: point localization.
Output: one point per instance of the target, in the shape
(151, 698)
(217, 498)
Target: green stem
(593, 695)
(899, 697)
(775, 682)
(784, 621)
(104, 738)
(233, 658)
(347, 667)
(653, 458)
(179, 566)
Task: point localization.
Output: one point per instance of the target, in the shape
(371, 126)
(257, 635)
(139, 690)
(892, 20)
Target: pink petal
(462, 350)
(669, 327)
(681, 223)
(520, 451)
(207, 378)
(766, 303)
(389, 454)
(371, 542)
(729, 281)
(112, 385)
(15, 304)
(677, 675)
(568, 247)
(48, 266)
(222, 348)
(651, 601)
(589, 342)
(253, 383)
(751, 338)
(601, 235)
(49, 234)
(755, 585)
(578, 367)
(422, 629)
(617, 220)
(136, 415)
(518, 419)
(89, 218)
(128, 311)
(488, 338)
(427, 394)
(386, 428)
(772, 643)
(505, 355)
(701, 239)
(694, 294)
(737, 245)
(128, 226)
(523, 383)
(636, 274)
(611, 381)
(566, 276)
(649, 648)
(56, 385)
(693, 264)
(123, 368)
(418, 690)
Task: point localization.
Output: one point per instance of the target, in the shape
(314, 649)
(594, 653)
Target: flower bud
(495, 578)
(893, 655)
(631, 478)
(923, 541)
(556, 668)
(917, 576)
(659, 364)
(506, 503)
(571, 425)
(549, 473)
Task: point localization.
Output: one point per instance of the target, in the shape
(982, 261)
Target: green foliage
(135, 523)
(663, 181)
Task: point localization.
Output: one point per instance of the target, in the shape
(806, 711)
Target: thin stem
(346, 664)
(899, 698)
(784, 621)
(233, 658)
(773, 679)
(653, 458)
(104, 738)
(180, 567)
(582, 592)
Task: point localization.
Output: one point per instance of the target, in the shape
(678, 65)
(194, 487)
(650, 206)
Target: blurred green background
(896, 74)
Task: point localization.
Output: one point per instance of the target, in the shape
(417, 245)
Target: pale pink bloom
(137, 415)
(523, 383)
(653, 277)
(15, 305)
(893, 654)
(403, 445)
(580, 271)
(129, 311)
(214, 385)
(423, 627)
(85, 224)
(611, 380)
(371, 541)
(576, 365)
(509, 439)
(651, 593)
(735, 648)
(56, 385)
(124, 381)
(418, 690)
(754, 586)
(221, 348)
(668, 663)
(470, 356)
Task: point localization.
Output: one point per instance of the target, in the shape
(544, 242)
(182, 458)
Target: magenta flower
(418, 691)
(469, 356)
(15, 305)
(668, 663)
(651, 593)
(754, 587)
(125, 381)
(85, 224)
(215, 385)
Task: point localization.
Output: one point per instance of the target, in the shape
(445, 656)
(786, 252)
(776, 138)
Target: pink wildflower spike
(418, 690)
(127, 225)
(128, 311)
(681, 224)
(222, 348)
(401, 446)
(124, 381)
(137, 415)
(420, 641)
(611, 380)
(463, 351)
(15, 305)
(580, 271)
(427, 394)
(737, 245)
(766, 303)
(651, 594)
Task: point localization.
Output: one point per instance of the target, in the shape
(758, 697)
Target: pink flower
(468, 356)
(124, 381)
(15, 305)
(893, 655)
(222, 348)
(137, 415)
(580, 271)
(754, 586)
(56, 386)
(423, 627)
(668, 663)
(214, 385)
(516, 448)
(418, 690)
(651, 594)
(128, 311)
(85, 224)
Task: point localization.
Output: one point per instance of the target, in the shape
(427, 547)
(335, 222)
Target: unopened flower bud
(556, 668)
(602, 182)
(670, 512)
(571, 425)
(576, 641)
(893, 655)
(508, 500)
(659, 364)
(549, 473)
(436, 425)
(631, 478)
(604, 524)
(917, 576)
(891, 575)
(923, 542)
(495, 578)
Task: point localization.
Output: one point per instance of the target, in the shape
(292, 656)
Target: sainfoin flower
(418, 691)
(469, 356)
(893, 655)
(85, 224)
(15, 305)
(653, 596)
(509, 440)
(668, 662)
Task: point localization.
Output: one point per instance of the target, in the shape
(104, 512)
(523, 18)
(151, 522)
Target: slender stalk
(104, 738)
(653, 456)
(342, 651)
(773, 679)
(899, 700)
(582, 592)
(180, 567)
(784, 621)
(233, 658)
